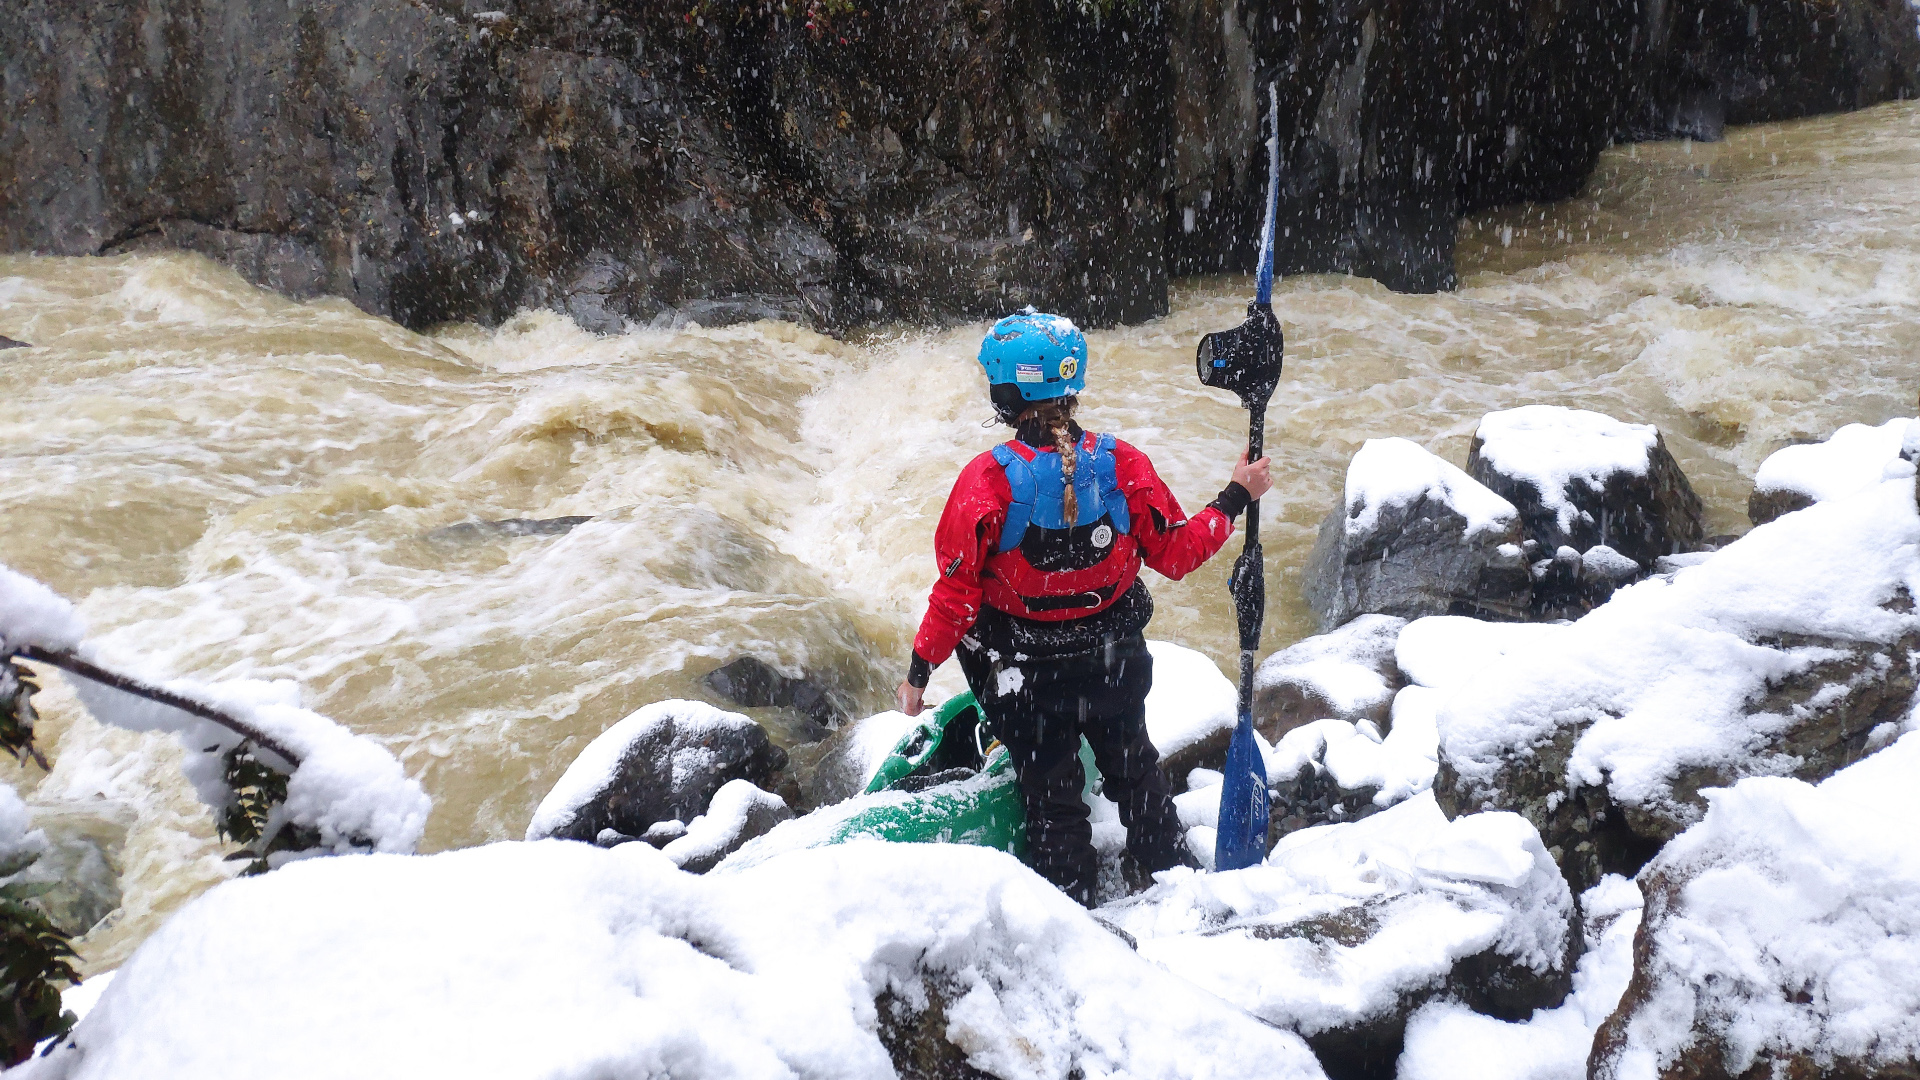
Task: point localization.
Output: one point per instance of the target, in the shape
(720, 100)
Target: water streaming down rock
(234, 484)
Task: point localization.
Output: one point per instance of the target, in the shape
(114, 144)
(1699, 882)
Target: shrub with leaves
(259, 790)
(34, 957)
(16, 712)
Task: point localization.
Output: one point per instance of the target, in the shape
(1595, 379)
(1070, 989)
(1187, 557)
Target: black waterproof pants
(1040, 708)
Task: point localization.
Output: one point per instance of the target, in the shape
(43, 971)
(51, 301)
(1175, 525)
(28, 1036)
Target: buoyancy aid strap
(1020, 483)
(1106, 472)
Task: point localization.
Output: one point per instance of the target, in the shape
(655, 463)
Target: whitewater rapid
(232, 484)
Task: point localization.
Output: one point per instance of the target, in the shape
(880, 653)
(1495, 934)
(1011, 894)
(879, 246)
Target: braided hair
(1055, 417)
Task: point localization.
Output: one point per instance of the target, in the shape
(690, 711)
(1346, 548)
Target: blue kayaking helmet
(1032, 356)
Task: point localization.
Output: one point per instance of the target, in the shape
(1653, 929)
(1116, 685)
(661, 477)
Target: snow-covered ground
(1398, 899)
(556, 959)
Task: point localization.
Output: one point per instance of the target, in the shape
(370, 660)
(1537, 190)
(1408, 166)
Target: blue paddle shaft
(1241, 839)
(1263, 292)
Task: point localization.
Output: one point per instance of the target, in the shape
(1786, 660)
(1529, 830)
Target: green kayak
(939, 785)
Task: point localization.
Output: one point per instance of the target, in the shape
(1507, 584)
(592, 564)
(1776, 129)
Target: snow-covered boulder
(738, 813)
(661, 763)
(1346, 929)
(1446, 1040)
(1852, 459)
(540, 960)
(1191, 711)
(1582, 479)
(1413, 536)
(1780, 655)
(1348, 674)
(1782, 937)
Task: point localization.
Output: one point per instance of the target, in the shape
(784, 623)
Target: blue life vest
(1040, 491)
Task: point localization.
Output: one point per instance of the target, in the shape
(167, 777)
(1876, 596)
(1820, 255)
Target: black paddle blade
(1245, 359)
(1248, 587)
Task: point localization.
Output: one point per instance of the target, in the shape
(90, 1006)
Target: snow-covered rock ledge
(1781, 936)
(557, 959)
(1784, 654)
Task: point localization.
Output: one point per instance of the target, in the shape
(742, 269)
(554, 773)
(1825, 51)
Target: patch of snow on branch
(32, 614)
(1394, 472)
(348, 787)
(1550, 446)
(562, 960)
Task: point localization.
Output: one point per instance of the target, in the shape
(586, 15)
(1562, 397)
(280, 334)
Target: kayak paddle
(1246, 360)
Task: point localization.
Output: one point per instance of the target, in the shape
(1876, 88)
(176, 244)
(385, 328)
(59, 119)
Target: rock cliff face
(839, 162)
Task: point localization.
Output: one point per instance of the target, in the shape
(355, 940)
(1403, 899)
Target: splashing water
(232, 484)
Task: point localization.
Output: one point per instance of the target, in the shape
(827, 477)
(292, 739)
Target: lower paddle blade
(1242, 837)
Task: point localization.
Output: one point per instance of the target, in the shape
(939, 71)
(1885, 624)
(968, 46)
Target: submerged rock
(753, 683)
(79, 869)
(8, 343)
(1348, 674)
(1782, 654)
(1779, 936)
(1413, 536)
(467, 532)
(664, 762)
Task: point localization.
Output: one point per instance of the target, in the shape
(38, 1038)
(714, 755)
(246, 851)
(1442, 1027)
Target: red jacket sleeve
(1170, 542)
(969, 527)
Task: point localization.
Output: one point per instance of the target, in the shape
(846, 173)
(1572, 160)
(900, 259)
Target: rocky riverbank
(836, 163)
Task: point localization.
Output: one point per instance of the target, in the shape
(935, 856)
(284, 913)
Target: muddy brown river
(232, 484)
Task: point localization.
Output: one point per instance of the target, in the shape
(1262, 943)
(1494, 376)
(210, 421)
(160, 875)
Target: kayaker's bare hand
(1253, 476)
(911, 699)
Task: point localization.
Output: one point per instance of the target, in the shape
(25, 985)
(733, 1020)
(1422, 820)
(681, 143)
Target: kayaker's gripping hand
(911, 699)
(1253, 476)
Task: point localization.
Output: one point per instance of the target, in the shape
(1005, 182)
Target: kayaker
(1039, 551)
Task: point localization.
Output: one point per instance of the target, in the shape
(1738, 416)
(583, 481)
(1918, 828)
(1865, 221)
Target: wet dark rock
(1417, 555)
(1312, 797)
(624, 164)
(627, 165)
(467, 532)
(753, 683)
(669, 771)
(1765, 506)
(8, 343)
(1573, 583)
(916, 1037)
(1347, 674)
